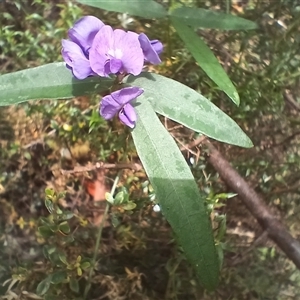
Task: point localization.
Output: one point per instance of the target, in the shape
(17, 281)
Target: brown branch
(183, 146)
(102, 165)
(194, 143)
(276, 231)
(259, 240)
(39, 141)
(286, 140)
(290, 99)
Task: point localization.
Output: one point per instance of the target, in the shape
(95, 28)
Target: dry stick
(194, 143)
(290, 99)
(276, 231)
(39, 141)
(102, 165)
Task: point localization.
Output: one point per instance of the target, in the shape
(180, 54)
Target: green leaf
(54, 259)
(222, 229)
(45, 231)
(49, 192)
(51, 81)
(53, 227)
(73, 284)
(184, 105)
(44, 286)
(63, 258)
(119, 198)
(220, 253)
(206, 59)
(142, 8)
(114, 220)
(85, 265)
(199, 17)
(58, 277)
(67, 215)
(109, 197)
(49, 205)
(129, 205)
(64, 227)
(177, 192)
(50, 297)
(45, 221)
(50, 249)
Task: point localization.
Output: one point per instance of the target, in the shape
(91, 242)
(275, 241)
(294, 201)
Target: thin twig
(286, 140)
(194, 143)
(257, 242)
(290, 99)
(88, 284)
(102, 165)
(183, 146)
(39, 141)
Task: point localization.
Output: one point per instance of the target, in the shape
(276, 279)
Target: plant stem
(228, 5)
(291, 76)
(98, 240)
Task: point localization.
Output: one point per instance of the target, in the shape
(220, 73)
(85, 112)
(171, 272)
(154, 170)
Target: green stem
(228, 5)
(291, 76)
(98, 240)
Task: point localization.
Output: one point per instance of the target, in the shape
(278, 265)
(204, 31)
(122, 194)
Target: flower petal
(157, 46)
(76, 60)
(115, 65)
(126, 95)
(150, 50)
(109, 107)
(128, 116)
(132, 58)
(84, 31)
(130, 112)
(102, 44)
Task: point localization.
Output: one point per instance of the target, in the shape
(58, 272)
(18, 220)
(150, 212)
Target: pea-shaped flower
(97, 49)
(121, 102)
(75, 51)
(116, 51)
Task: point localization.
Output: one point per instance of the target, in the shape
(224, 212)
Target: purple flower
(116, 51)
(120, 102)
(76, 60)
(76, 51)
(151, 49)
(97, 49)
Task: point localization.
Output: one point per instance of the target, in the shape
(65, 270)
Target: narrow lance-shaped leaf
(199, 17)
(142, 8)
(184, 105)
(51, 81)
(177, 192)
(206, 59)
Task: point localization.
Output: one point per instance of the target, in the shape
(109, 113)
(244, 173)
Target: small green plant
(56, 230)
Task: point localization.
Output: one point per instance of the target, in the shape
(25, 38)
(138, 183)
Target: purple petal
(115, 65)
(132, 54)
(150, 50)
(118, 101)
(120, 45)
(130, 112)
(67, 47)
(157, 46)
(128, 116)
(102, 45)
(84, 31)
(109, 107)
(76, 60)
(126, 95)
